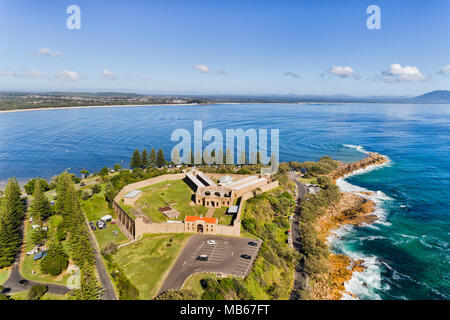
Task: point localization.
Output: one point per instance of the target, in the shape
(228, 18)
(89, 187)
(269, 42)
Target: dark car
(245, 256)
(253, 243)
(92, 225)
(24, 282)
(202, 257)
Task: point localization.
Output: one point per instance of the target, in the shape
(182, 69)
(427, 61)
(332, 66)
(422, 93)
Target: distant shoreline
(213, 103)
(105, 106)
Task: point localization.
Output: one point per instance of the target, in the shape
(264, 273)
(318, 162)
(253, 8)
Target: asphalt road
(299, 276)
(224, 257)
(108, 289)
(12, 284)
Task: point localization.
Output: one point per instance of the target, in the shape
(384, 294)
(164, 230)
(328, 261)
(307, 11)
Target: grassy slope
(176, 193)
(4, 273)
(147, 261)
(97, 207)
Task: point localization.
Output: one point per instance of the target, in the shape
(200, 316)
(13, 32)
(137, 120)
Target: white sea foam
(365, 284)
(357, 148)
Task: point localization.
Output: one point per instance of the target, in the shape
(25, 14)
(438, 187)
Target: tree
(56, 259)
(96, 188)
(117, 167)
(104, 172)
(144, 159)
(29, 187)
(84, 173)
(136, 161)
(160, 160)
(40, 207)
(110, 193)
(152, 159)
(37, 291)
(62, 185)
(12, 212)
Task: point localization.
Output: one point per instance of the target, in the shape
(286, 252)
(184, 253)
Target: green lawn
(23, 295)
(97, 207)
(176, 193)
(148, 261)
(220, 214)
(4, 273)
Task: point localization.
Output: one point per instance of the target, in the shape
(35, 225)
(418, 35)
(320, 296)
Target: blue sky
(238, 47)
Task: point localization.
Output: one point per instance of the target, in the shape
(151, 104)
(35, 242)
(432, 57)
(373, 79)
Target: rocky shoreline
(351, 209)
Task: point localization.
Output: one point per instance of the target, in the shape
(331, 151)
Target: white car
(34, 251)
(211, 242)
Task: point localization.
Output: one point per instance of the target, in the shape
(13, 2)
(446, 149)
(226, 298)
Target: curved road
(12, 284)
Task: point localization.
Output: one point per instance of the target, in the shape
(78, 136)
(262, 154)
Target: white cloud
(202, 68)
(223, 72)
(343, 72)
(445, 70)
(397, 73)
(49, 52)
(67, 75)
(291, 74)
(108, 75)
(34, 74)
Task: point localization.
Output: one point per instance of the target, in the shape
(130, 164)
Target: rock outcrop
(372, 159)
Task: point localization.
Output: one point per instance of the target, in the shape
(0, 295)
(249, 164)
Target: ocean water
(406, 251)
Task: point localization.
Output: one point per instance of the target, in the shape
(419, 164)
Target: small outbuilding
(131, 197)
(233, 210)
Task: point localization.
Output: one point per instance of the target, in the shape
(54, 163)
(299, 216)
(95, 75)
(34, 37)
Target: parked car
(24, 282)
(92, 225)
(211, 242)
(106, 218)
(34, 251)
(253, 243)
(202, 257)
(245, 256)
(101, 224)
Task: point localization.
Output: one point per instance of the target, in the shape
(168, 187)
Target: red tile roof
(195, 218)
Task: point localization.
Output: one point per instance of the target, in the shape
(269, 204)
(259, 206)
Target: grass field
(175, 193)
(4, 273)
(29, 265)
(97, 207)
(220, 214)
(148, 261)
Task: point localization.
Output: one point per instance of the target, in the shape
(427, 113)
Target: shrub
(55, 261)
(109, 249)
(37, 291)
(96, 188)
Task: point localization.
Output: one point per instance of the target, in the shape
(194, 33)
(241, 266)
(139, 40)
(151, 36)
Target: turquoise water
(406, 252)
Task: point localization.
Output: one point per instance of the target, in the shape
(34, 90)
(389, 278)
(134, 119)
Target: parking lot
(225, 256)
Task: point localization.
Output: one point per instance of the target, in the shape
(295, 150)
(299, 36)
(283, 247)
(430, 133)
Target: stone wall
(139, 226)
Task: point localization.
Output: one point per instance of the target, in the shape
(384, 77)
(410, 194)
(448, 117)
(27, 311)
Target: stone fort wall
(139, 226)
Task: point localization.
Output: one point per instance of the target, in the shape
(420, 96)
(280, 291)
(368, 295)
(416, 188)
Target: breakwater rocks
(344, 169)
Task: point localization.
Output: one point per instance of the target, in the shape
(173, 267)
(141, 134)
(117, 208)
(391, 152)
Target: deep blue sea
(406, 251)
